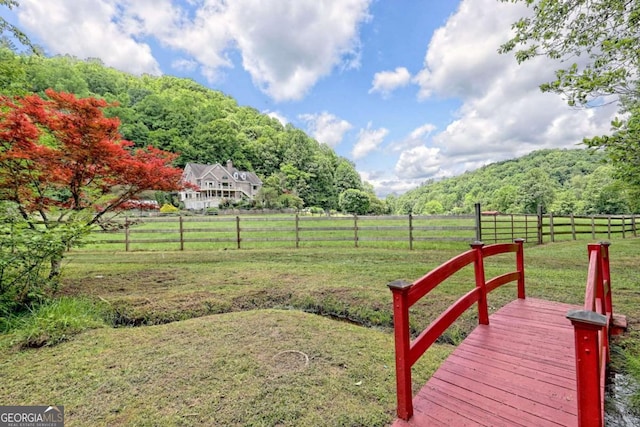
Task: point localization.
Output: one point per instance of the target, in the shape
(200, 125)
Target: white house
(215, 183)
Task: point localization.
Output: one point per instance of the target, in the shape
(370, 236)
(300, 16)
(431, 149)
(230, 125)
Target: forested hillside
(207, 126)
(562, 181)
(203, 125)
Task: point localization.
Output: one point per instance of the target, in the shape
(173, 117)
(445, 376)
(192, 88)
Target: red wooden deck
(519, 370)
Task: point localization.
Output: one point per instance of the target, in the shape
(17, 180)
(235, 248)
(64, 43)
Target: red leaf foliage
(63, 152)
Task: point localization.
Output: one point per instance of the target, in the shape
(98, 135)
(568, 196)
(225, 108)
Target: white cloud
(87, 29)
(368, 141)
(386, 82)
(503, 113)
(417, 137)
(326, 128)
(182, 64)
(462, 58)
(420, 162)
(385, 183)
(286, 46)
(423, 131)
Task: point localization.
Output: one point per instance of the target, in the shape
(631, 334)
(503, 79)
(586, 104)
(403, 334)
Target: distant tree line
(561, 181)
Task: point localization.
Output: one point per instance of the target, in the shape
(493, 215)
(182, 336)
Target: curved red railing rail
(592, 327)
(406, 295)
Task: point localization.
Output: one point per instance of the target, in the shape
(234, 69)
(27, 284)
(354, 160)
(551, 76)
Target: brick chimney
(229, 165)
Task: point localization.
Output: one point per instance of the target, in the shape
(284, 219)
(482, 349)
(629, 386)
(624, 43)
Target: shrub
(27, 256)
(167, 208)
(211, 211)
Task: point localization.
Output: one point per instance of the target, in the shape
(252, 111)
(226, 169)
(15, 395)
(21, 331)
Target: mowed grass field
(235, 337)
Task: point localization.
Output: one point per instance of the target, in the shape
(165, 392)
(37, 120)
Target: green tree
(598, 41)
(63, 163)
(347, 177)
(433, 207)
(566, 203)
(288, 200)
(505, 199)
(268, 197)
(605, 195)
(354, 201)
(623, 148)
(536, 189)
(12, 73)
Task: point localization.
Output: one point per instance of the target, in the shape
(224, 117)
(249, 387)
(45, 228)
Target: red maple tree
(60, 156)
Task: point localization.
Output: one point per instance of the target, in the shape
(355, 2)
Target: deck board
(517, 371)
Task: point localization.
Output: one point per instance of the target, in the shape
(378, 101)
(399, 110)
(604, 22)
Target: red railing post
(520, 267)
(606, 277)
(478, 263)
(595, 292)
(400, 290)
(587, 325)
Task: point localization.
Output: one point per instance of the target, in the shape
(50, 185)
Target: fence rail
(397, 231)
(546, 228)
(178, 233)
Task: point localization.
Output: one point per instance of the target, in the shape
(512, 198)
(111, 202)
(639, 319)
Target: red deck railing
(406, 295)
(592, 329)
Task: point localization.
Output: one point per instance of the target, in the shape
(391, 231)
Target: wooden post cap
(587, 317)
(399, 285)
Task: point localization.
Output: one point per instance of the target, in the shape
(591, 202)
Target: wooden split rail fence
(411, 231)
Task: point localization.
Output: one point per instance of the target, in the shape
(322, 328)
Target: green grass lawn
(231, 337)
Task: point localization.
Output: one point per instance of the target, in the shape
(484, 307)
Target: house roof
(199, 170)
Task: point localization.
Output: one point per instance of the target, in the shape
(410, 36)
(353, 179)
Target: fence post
(513, 234)
(478, 223)
(238, 230)
(126, 234)
(587, 325)
(609, 227)
(297, 231)
(495, 228)
(483, 309)
(593, 227)
(573, 227)
(551, 230)
(181, 233)
(520, 267)
(355, 230)
(539, 224)
(633, 226)
(624, 228)
(410, 232)
(400, 290)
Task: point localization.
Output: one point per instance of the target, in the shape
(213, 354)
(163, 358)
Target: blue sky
(407, 90)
